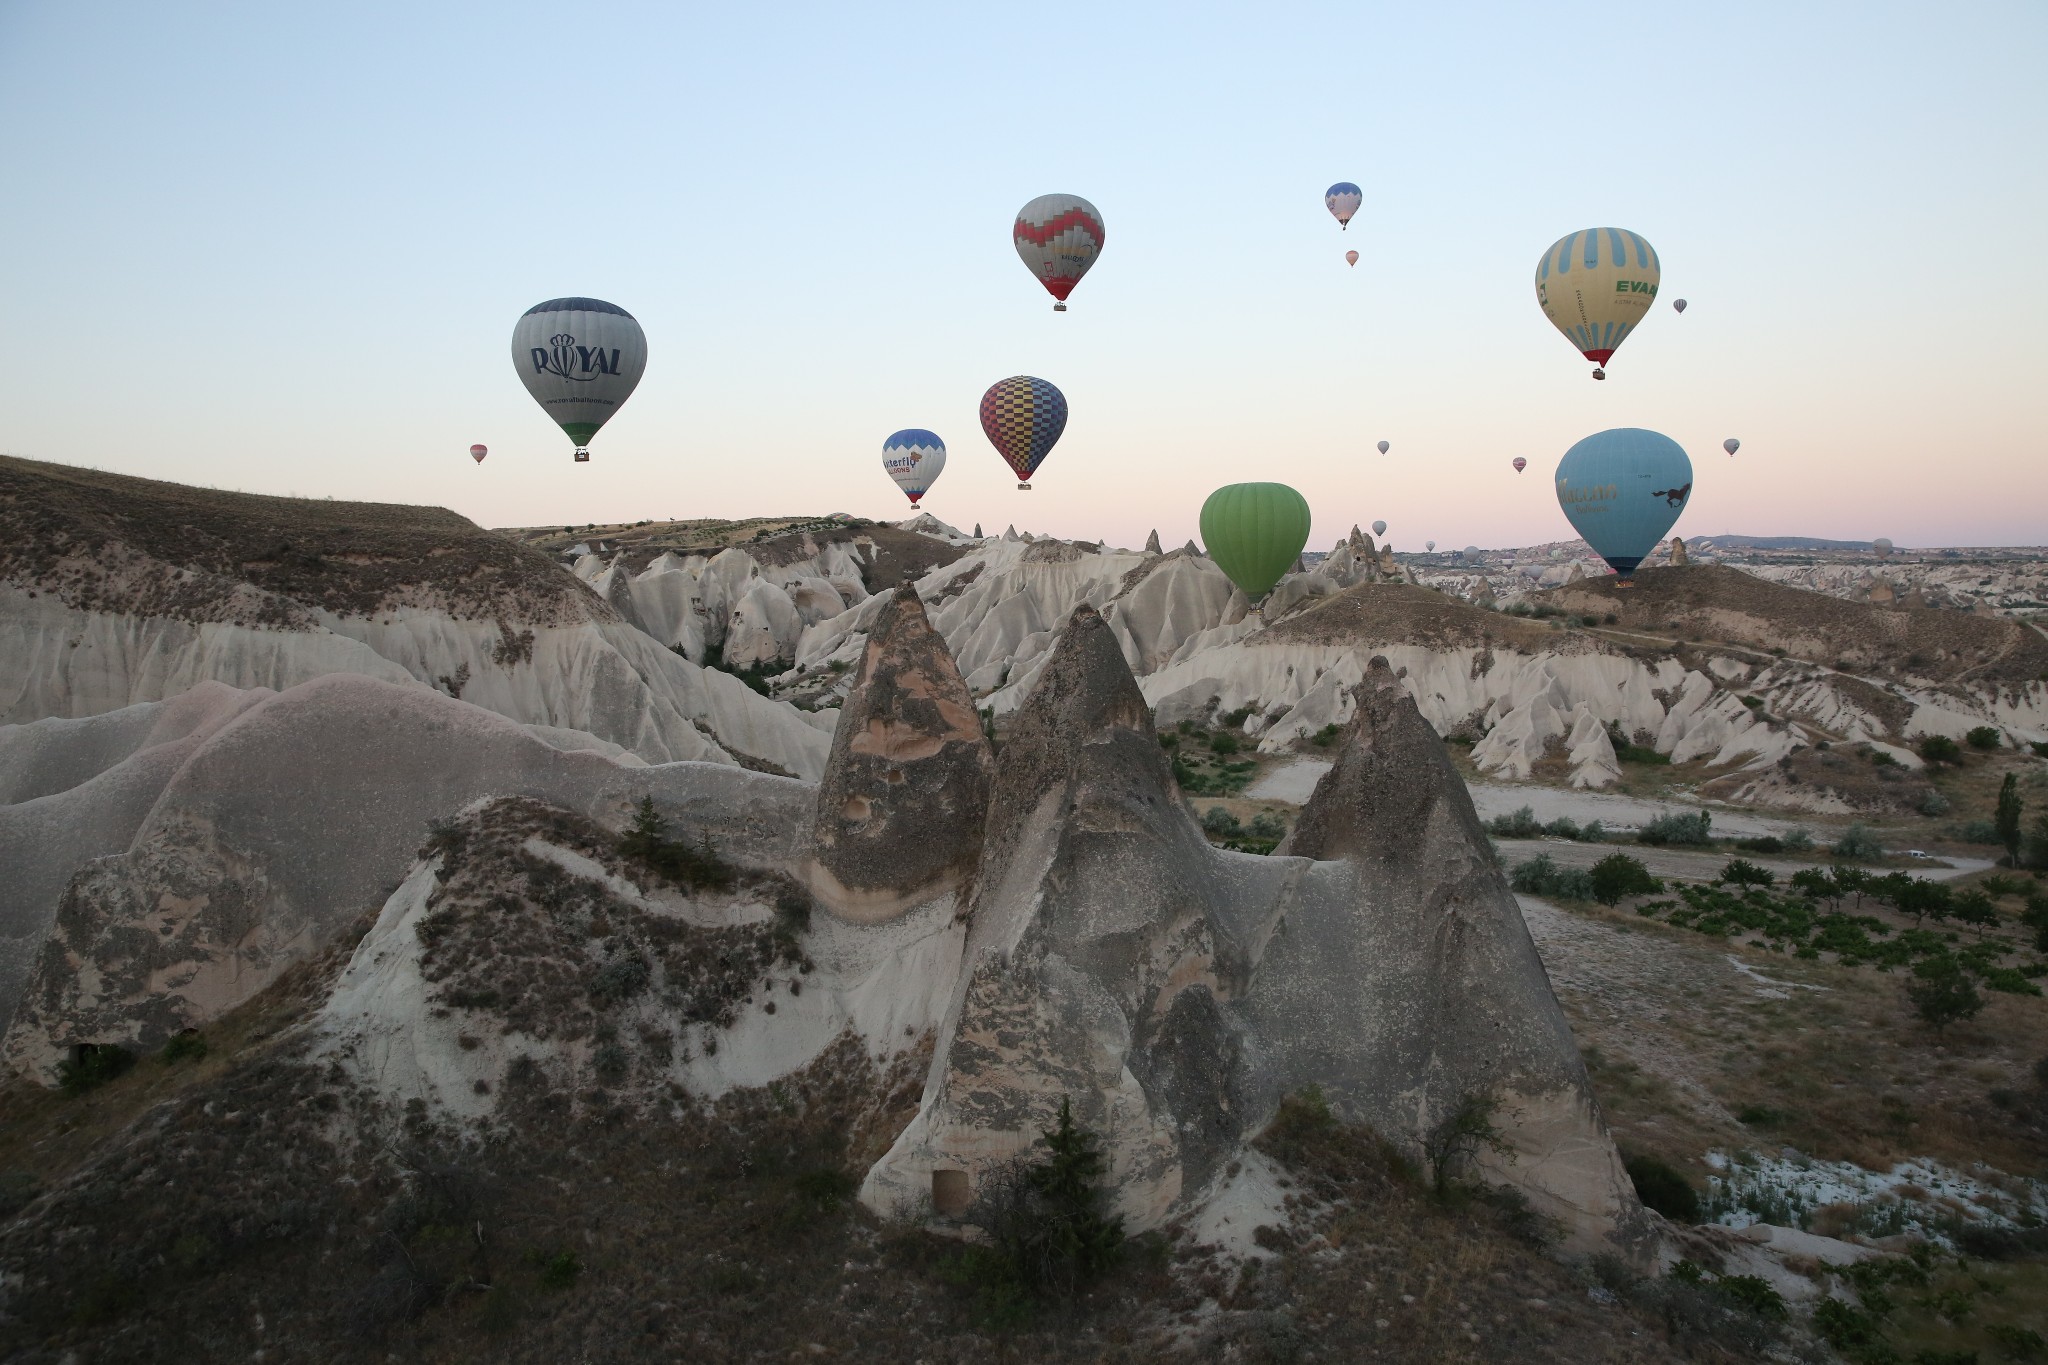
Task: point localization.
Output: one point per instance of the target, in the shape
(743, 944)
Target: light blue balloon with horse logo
(1622, 490)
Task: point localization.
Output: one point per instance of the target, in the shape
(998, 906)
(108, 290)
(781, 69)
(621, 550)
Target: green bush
(1941, 749)
(1619, 875)
(1539, 876)
(1941, 993)
(1223, 744)
(1221, 822)
(1662, 1187)
(185, 1044)
(1858, 843)
(1048, 1228)
(1769, 843)
(94, 1066)
(1743, 872)
(697, 869)
(1985, 737)
(1523, 824)
(1693, 830)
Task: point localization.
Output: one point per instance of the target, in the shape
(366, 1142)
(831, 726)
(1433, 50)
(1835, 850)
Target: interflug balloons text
(581, 360)
(1023, 418)
(1058, 237)
(1622, 490)
(914, 458)
(1595, 287)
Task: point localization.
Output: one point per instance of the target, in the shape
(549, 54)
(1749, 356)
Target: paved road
(1695, 865)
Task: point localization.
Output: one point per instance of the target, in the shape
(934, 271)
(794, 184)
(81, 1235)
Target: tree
(644, 836)
(1941, 993)
(1984, 737)
(2010, 808)
(1619, 875)
(1973, 907)
(1941, 749)
(1458, 1139)
(1046, 1218)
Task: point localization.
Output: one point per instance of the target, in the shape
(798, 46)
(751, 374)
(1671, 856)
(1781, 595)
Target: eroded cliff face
(904, 796)
(1175, 993)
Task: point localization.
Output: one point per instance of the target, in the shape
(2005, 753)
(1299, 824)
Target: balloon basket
(1599, 373)
(582, 455)
(1059, 308)
(1023, 488)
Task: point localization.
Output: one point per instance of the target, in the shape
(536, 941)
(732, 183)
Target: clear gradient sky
(281, 247)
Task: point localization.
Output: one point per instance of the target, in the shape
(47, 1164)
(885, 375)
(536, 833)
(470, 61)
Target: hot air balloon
(1023, 418)
(1595, 287)
(1058, 237)
(1622, 490)
(1379, 528)
(1351, 257)
(580, 359)
(1731, 445)
(1881, 545)
(914, 458)
(1678, 305)
(1471, 554)
(1254, 532)
(1384, 447)
(1520, 464)
(1556, 553)
(1429, 545)
(477, 453)
(1343, 199)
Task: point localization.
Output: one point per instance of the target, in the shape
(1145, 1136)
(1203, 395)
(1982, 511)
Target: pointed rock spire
(1190, 549)
(977, 530)
(1011, 532)
(1447, 953)
(1678, 560)
(1152, 543)
(904, 796)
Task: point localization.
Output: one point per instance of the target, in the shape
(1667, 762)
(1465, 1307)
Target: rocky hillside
(116, 591)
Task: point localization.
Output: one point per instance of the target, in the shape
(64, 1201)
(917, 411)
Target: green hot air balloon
(1254, 532)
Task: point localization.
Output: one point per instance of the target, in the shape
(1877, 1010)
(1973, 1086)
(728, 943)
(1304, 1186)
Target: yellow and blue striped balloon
(1595, 286)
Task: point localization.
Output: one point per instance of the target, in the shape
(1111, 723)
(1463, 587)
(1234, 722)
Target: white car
(1916, 853)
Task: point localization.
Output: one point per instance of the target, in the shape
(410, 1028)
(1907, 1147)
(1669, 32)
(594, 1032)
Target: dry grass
(108, 542)
(1402, 613)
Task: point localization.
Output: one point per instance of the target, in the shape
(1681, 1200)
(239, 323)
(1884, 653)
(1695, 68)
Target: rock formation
(1152, 543)
(905, 791)
(1678, 552)
(1175, 993)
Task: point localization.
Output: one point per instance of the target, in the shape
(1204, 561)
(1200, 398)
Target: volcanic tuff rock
(116, 590)
(1176, 993)
(237, 833)
(905, 793)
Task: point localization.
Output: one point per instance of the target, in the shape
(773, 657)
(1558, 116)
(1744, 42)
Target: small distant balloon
(1351, 257)
(1343, 199)
(914, 458)
(1678, 305)
(1379, 528)
(477, 453)
(1731, 445)
(1520, 464)
(1472, 553)
(1881, 545)
(1384, 447)
(1058, 237)
(1429, 545)
(1556, 553)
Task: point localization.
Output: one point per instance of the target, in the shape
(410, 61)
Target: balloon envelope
(1058, 237)
(914, 458)
(1678, 305)
(1596, 286)
(478, 452)
(1429, 545)
(1023, 417)
(581, 360)
(1520, 464)
(1254, 532)
(1379, 528)
(1622, 490)
(1731, 445)
(1384, 447)
(1351, 257)
(1343, 199)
